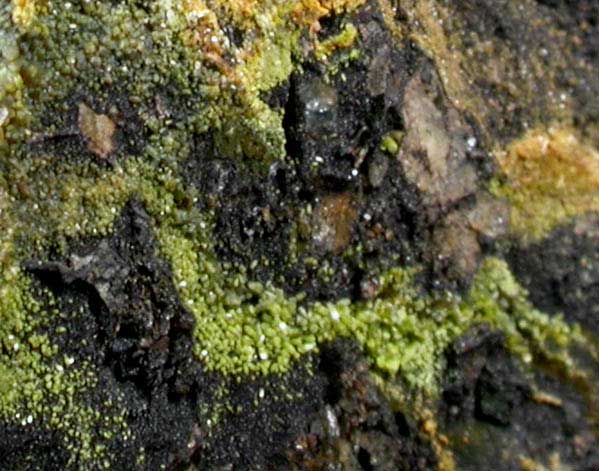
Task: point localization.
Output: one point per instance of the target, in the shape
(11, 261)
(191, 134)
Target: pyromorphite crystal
(200, 201)
(401, 331)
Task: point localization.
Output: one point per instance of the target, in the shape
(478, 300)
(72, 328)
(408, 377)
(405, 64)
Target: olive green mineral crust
(145, 83)
(42, 387)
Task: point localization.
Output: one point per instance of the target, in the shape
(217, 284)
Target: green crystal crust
(75, 52)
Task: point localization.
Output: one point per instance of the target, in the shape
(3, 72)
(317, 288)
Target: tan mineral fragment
(98, 131)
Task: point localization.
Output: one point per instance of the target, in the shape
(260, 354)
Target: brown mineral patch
(308, 12)
(551, 176)
(333, 222)
(98, 131)
(433, 156)
(457, 251)
(489, 217)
